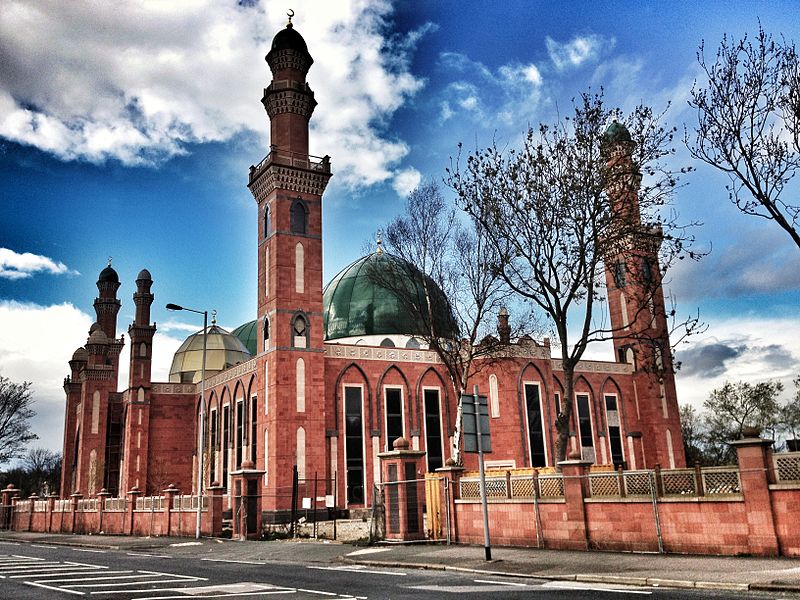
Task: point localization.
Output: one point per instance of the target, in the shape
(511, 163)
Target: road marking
(511, 583)
(10, 543)
(368, 551)
(191, 577)
(56, 571)
(183, 596)
(239, 562)
(148, 555)
(28, 567)
(568, 585)
(358, 570)
(181, 544)
(111, 575)
(89, 550)
(126, 583)
(57, 589)
(320, 592)
(42, 546)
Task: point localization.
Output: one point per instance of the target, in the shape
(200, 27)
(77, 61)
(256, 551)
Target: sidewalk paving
(669, 570)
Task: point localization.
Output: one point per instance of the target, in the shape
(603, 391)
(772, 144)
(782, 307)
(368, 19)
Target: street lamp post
(201, 424)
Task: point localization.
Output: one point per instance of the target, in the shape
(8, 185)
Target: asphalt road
(34, 571)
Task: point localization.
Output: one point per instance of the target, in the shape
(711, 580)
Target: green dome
(616, 133)
(374, 296)
(223, 350)
(248, 334)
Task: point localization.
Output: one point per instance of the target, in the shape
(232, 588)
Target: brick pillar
(101, 507)
(753, 455)
(32, 503)
(51, 503)
(576, 484)
(169, 503)
(214, 512)
(247, 501)
(74, 497)
(403, 501)
(133, 494)
(452, 473)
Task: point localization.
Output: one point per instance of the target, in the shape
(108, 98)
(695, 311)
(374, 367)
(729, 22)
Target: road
(36, 571)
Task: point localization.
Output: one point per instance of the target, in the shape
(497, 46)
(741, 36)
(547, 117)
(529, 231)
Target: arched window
(267, 223)
(387, 343)
(299, 217)
(299, 269)
(266, 333)
(300, 376)
(300, 332)
(413, 344)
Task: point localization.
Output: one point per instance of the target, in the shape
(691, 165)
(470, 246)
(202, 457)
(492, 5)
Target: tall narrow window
(494, 396)
(239, 432)
(614, 434)
(226, 424)
(354, 445)
(299, 217)
(585, 421)
(266, 221)
(647, 271)
(300, 332)
(433, 429)
(533, 405)
(266, 333)
(300, 453)
(394, 415)
(214, 448)
(266, 388)
(300, 376)
(266, 272)
(253, 428)
(619, 274)
(557, 398)
(266, 456)
(299, 269)
(623, 308)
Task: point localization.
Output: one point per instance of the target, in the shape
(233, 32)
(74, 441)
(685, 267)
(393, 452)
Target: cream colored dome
(223, 350)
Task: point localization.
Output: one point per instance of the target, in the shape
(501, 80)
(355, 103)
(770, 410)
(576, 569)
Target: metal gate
(396, 500)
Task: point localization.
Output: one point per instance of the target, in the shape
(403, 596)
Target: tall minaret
(637, 311)
(288, 185)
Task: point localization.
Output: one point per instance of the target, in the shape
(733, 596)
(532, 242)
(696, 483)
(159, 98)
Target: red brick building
(324, 380)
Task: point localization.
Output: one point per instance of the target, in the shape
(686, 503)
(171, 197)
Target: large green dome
(248, 334)
(376, 294)
(223, 350)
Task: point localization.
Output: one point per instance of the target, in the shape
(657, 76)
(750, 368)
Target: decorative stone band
(232, 373)
(175, 388)
(597, 366)
(387, 354)
(289, 59)
(298, 101)
(293, 179)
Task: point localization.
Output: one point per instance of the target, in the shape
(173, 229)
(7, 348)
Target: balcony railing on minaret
(287, 158)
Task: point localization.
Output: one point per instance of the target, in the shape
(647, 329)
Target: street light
(201, 425)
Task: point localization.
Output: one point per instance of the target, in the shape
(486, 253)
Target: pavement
(637, 569)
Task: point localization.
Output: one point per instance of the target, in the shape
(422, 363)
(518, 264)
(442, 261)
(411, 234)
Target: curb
(592, 578)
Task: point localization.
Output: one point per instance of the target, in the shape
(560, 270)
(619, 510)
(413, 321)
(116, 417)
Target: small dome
(616, 133)
(80, 354)
(372, 295)
(108, 275)
(223, 350)
(144, 274)
(289, 39)
(97, 336)
(248, 334)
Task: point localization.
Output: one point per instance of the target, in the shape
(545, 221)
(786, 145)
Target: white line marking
(320, 592)
(50, 572)
(79, 564)
(183, 596)
(29, 567)
(42, 546)
(501, 582)
(108, 585)
(190, 577)
(89, 550)
(148, 555)
(10, 543)
(181, 544)
(564, 585)
(368, 551)
(111, 575)
(354, 570)
(57, 589)
(239, 562)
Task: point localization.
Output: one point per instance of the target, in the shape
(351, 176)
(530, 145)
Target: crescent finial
(290, 14)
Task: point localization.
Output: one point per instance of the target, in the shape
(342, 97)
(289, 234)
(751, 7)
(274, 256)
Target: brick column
(249, 501)
(32, 503)
(403, 501)
(753, 455)
(576, 485)
(8, 495)
(214, 512)
(133, 494)
(51, 502)
(169, 503)
(101, 507)
(452, 473)
(74, 497)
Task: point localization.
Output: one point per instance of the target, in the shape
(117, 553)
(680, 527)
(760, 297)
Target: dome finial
(290, 14)
(379, 242)
(109, 260)
(213, 317)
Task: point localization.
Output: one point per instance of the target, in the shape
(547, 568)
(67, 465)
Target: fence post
(575, 472)
(101, 507)
(621, 482)
(51, 503)
(452, 473)
(752, 454)
(133, 493)
(214, 511)
(74, 498)
(659, 480)
(699, 485)
(169, 499)
(32, 504)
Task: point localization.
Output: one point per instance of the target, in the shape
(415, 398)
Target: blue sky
(127, 131)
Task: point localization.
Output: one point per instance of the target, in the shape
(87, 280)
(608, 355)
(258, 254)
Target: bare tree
(15, 415)
(43, 469)
(748, 117)
(557, 209)
(459, 292)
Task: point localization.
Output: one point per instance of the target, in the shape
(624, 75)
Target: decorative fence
(787, 466)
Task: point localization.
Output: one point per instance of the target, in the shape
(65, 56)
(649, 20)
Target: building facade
(324, 379)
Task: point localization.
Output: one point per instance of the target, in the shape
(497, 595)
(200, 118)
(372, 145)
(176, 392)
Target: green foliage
(15, 414)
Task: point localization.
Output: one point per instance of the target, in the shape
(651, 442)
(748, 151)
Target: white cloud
(15, 265)
(36, 343)
(407, 180)
(577, 51)
(138, 82)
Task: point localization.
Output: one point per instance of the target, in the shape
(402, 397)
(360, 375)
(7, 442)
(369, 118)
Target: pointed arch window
(299, 217)
(266, 333)
(300, 332)
(267, 223)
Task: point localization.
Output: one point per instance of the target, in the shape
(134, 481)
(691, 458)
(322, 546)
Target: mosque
(325, 379)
